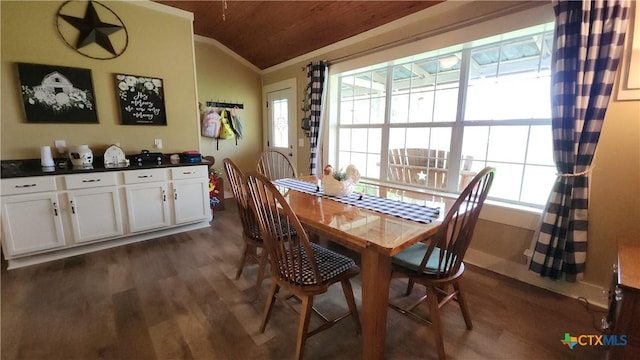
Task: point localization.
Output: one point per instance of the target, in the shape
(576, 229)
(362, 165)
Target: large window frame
(360, 131)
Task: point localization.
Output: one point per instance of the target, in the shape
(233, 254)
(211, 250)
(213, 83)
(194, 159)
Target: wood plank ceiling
(267, 33)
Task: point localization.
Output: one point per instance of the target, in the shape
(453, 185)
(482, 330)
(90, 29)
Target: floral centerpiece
(338, 182)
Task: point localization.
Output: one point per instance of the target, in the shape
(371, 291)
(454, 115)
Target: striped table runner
(414, 212)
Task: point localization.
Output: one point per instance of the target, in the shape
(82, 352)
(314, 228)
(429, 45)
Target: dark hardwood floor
(176, 298)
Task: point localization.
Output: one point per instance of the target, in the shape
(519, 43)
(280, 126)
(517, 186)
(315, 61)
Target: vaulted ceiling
(267, 33)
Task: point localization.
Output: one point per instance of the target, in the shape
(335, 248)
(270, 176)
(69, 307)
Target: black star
(92, 29)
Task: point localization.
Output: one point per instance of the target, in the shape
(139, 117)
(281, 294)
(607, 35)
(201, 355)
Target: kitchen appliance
(81, 156)
(146, 157)
(46, 160)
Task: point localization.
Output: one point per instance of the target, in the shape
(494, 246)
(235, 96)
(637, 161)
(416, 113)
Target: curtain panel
(316, 92)
(589, 38)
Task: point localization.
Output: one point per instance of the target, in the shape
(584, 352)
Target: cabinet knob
(73, 207)
(55, 208)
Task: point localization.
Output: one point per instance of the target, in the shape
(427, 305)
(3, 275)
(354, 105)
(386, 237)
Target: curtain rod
(436, 31)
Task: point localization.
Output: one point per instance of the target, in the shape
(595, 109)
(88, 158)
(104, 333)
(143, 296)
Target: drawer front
(189, 172)
(83, 181)
(144, 176)
(27, 185)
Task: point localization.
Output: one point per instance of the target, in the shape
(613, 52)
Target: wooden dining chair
(302, 268)
(438, 264)
(275, 165)
(253, 244)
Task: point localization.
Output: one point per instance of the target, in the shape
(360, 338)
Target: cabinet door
(95, 213)
(31, 223)
(191, 200)
(147, 206)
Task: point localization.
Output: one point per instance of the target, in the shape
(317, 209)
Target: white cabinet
(190, 189)
(31, 217)
(147, 199)
(50, 217)
(94, 206)
(150, 204)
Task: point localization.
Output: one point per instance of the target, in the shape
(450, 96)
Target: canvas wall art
(57, 94)
(141, 100)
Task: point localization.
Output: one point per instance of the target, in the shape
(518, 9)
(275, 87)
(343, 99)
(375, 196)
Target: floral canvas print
(57, 94)
(141, 100)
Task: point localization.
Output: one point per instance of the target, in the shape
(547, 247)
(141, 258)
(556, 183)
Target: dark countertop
(31, 167)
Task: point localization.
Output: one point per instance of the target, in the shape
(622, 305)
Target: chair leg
(410, 284)
(268, 305)
(348, 295)
(305, 315)
(262, 264)
(434, 313)
(463, 305)
(243, 260)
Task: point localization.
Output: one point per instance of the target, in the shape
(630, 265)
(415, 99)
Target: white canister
(46, 160)
(81, 155)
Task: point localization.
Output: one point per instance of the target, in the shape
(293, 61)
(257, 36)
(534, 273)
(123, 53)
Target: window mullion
(384, 148)
(455, 153)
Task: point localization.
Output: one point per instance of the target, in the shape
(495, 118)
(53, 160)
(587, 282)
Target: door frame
(280, 85)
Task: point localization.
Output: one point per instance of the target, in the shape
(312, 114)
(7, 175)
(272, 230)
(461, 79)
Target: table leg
(375, 275)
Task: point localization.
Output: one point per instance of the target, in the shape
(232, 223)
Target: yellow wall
(614, 214)
(160, 45)
(615, 204)
(223, 78)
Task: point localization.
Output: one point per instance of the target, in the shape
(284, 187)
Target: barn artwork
(57, 94)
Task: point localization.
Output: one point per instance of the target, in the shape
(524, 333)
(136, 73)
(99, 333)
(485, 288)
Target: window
(280, 123)
(418, 120)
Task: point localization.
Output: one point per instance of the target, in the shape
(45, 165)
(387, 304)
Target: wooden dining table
(375, 235)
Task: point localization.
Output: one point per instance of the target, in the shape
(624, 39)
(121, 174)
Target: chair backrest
(210, 159)
(275, 165)
(453, 238)
(238, 184)
(291, 256)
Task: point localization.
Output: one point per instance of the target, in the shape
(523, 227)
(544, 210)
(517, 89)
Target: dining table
(376, 233)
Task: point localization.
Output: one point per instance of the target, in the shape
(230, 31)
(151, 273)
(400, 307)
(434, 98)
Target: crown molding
(151, 5)
(226, 50)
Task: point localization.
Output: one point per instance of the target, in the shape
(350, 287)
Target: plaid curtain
(589, 37)
(316, 90)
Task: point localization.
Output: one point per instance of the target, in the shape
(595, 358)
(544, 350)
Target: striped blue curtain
(589, 38)
(316, 90)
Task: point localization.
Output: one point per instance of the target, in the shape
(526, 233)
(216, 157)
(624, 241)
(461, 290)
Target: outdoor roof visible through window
(511, 56)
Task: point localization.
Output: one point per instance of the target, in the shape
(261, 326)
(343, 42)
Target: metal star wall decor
(100, 26)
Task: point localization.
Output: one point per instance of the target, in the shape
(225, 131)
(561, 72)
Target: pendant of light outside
(448, 62)
(224, 8)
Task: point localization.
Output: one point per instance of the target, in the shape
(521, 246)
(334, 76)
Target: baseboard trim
(593, 293)
(19, 262)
